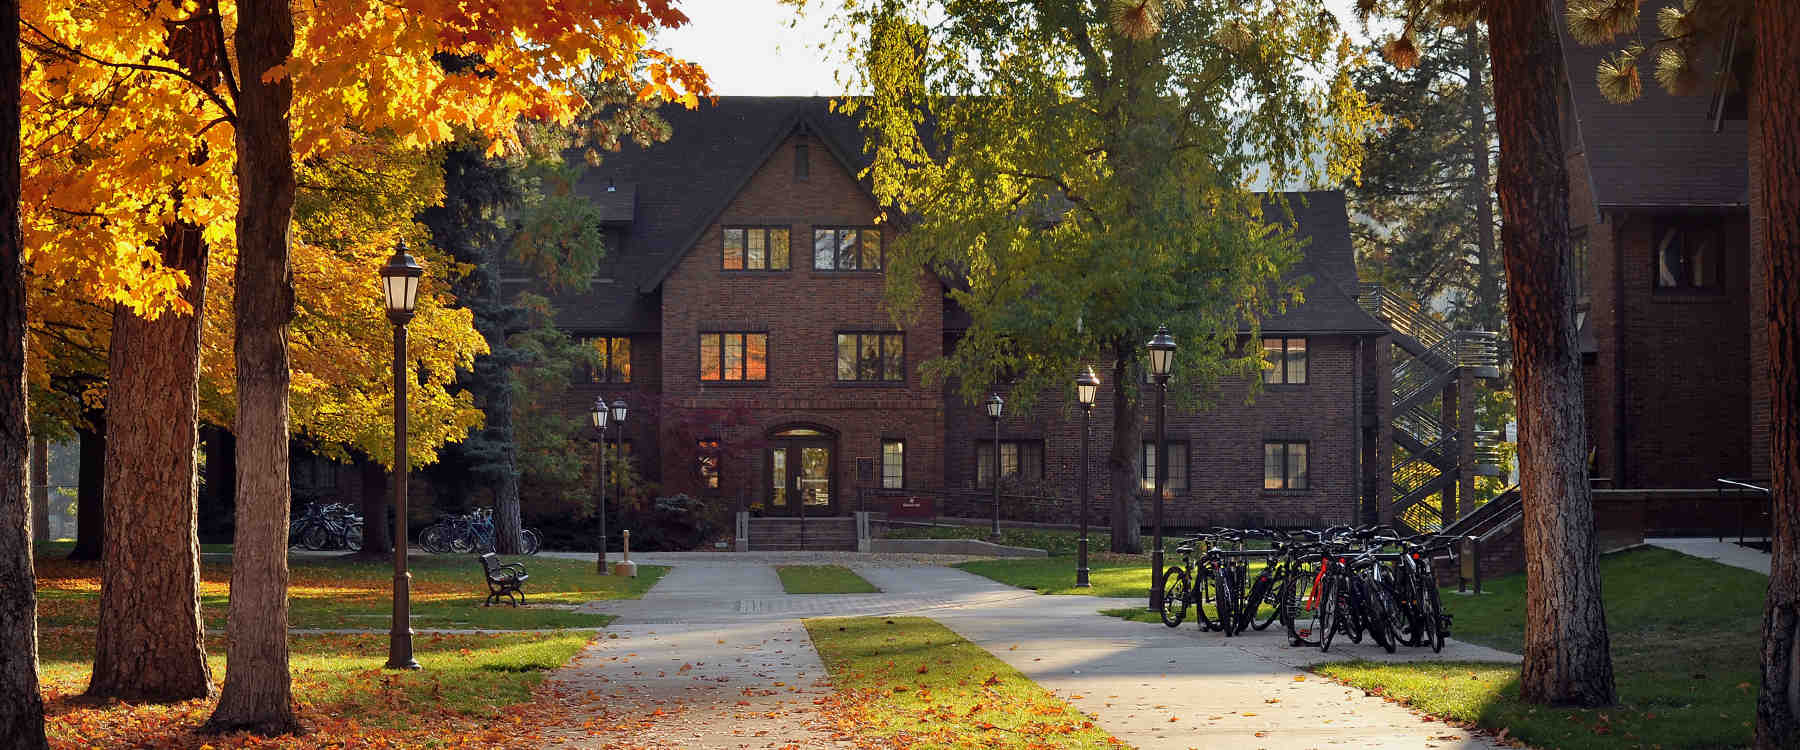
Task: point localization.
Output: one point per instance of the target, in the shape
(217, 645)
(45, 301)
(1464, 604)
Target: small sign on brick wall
(865, 470)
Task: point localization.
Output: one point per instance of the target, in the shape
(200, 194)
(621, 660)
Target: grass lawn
(465, 697)
(913, 681)
(1054, 541)
(1686, 637)
(1112, 575)
(822, 579)
(447, 592)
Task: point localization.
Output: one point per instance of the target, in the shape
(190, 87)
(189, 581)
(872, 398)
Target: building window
(802, 162)
(1284, 466)
(1687, 255)
(1019, 459)
(613, 359)
(846, 249)
(1177, 480)
(707, 463)
(871, 356)
(893, 464)
(734, 357)
(1284, 361)
(755, 249)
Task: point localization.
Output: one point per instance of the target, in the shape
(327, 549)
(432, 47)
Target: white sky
(747, 47)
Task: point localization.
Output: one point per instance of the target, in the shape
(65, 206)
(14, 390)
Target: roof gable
(1661, 150)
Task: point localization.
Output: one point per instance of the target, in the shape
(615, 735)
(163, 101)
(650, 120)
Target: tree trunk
(90, 494)
(1568, 660)
(377, 542)
(499, 419)
(150, 645)
(1122, 466)
(1487, 272)
(1775, 211)
(21, 706)
(506, 485)
(258, 694)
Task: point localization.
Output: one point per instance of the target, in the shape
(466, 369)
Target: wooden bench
(503, 579)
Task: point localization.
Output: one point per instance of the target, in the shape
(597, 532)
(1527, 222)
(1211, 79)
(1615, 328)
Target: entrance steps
(834, 533)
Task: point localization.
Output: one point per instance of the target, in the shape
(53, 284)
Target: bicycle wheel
(1226, 584)
(1434, 613)
(353, 536)
(432, 539)
(1265, 591)
(316, 538)
(1299, 606)
(1175, 593)
(1377, 612)
(1204, 594)
(529, 541)
(462, 543)
(1329, 611)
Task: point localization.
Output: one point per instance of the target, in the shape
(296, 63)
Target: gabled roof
(1661, 150)
(678, 188)
(1322, 218)
(665, 196)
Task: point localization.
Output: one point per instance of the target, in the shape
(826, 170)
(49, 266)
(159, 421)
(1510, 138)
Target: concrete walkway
(1728, 553)
(714, 657)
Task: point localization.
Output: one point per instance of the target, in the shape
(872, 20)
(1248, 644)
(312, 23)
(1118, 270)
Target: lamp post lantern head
(1087, 387)
(618, 412)
(599, 413)
(400, 284)
(994, 405)
(1162, 352)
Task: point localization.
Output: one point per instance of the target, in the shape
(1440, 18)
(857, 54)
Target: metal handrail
(1405, 315)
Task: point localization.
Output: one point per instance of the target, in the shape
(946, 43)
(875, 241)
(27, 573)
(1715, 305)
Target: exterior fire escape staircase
(1437, 450)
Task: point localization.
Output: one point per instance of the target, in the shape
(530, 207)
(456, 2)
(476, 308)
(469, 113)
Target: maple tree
(151, 106)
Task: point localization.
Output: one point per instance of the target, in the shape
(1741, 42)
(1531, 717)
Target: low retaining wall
(953, 547)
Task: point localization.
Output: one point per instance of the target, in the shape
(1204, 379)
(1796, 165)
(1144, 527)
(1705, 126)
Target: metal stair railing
(1420, 426)
(1477, 348)
(1404, 315)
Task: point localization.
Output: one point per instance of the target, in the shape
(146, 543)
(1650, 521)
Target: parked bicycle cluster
(472, 532)
(327, 526)
(1319, 584)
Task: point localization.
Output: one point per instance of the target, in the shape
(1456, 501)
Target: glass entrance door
(799, 474)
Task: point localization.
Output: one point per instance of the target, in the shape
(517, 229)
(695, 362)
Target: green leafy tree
(1758, 37)
(1099, 171)
(1568, 659)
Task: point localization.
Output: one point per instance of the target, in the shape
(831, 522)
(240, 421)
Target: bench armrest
(513, 566)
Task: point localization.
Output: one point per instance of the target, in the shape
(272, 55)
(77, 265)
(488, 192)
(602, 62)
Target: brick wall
(1225, 446)
(801, 310)
(1663, 353)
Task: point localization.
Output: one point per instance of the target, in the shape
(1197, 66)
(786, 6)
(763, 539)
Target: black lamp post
(618, 423)
(400, 290)
(1162, 355)
(598, 415)
(994, 406)
(1087, 386)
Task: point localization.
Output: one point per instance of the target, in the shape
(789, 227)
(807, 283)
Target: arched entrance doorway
(800, 463)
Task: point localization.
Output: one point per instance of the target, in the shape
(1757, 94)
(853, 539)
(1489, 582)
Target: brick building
(1674, 343)
(742, 309)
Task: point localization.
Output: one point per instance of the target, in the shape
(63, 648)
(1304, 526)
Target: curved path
(751, 675)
